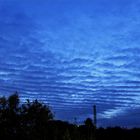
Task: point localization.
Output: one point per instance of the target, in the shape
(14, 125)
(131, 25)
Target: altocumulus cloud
(73, 54)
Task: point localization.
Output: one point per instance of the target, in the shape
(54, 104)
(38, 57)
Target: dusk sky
(72, 54)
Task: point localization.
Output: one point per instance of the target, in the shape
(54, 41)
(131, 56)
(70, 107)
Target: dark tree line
(23, 121)
(35, 121)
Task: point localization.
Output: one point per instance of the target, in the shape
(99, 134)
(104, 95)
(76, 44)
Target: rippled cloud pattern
(72, 54)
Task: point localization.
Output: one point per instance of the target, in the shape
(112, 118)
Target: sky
(73, 54)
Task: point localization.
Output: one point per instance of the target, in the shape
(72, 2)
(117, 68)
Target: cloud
(72, 55)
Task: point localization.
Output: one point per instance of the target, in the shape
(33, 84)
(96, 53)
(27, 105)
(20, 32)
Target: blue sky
(72, 54)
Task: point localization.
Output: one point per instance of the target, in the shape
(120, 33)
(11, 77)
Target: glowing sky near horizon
(73, 54)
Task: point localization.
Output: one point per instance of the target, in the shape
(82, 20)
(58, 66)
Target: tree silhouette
(13, 102)
(89, 127)
(33, 120)
(88, 122)
(27, 121)
(35, 117)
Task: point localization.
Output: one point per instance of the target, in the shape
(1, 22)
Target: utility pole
(94, 121)
(94, 115)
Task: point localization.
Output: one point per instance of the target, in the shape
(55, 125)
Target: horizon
(73, 54)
